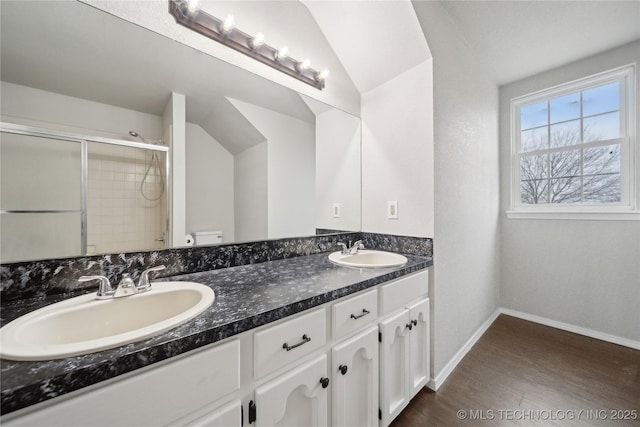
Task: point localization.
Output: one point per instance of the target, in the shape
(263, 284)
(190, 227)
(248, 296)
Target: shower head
(135, 134)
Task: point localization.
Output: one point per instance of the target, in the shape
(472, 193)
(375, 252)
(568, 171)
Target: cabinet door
(354, 373)
(297, 398)
(394, 366)
(418, 345)
(228, 415)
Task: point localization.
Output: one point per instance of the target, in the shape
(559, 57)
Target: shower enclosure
(65, 194)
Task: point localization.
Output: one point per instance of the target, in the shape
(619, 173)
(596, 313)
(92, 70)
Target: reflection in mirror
(260, 160)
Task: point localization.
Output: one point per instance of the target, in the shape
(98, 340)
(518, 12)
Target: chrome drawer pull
(305, 339)
(364, 313)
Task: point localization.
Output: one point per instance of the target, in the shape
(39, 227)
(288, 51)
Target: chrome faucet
(351, 249)
(126, 286)
(356, 246)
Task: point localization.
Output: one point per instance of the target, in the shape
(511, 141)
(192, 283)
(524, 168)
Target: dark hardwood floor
(522, 373)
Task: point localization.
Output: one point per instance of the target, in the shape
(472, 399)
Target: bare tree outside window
(575, 175)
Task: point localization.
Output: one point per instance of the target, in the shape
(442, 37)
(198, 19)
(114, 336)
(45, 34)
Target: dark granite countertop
(246, 297)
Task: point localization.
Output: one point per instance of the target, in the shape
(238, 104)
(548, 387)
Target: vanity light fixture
(322, 75)
(192, 5)
(227, 25)
(282, 53)
(187, 13)
(257, 41)
(301, 66)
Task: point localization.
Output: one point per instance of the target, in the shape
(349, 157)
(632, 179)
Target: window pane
(566, 190)
(605, 126)
(534, 191)
(534, 139)
(565, 164)
(534, 167)
(533, 115)
(601, 99)
(602, 160)
(565, 134)
(602, 188)
(565, 108)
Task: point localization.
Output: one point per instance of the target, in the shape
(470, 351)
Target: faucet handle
(144, 284)
(104, 289)
(344, 247)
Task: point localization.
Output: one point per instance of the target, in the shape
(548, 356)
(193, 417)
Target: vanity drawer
(354, 313)
(397, 294)
(285, 343)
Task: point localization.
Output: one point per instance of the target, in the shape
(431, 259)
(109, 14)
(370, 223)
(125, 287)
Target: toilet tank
(207, 237)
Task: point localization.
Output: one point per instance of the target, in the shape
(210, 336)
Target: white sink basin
(84, 325)
(368, 259)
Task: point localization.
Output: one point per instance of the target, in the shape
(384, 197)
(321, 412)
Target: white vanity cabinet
(404, 343)
(354, 376)
(353, 362)
(297, 398)
(160, 395)
(229, 415)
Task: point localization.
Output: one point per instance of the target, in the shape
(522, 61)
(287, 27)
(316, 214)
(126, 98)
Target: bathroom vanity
(297, 341)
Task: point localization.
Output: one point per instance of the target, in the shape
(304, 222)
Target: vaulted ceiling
(518, 39)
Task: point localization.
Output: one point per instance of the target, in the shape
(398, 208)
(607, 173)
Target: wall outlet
(336, 210)
(392, 210)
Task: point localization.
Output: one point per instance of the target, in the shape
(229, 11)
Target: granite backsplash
(37, 279)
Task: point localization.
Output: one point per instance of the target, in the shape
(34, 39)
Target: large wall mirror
(86, 151)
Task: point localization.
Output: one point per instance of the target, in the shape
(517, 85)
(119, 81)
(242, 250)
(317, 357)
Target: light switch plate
(392, 210)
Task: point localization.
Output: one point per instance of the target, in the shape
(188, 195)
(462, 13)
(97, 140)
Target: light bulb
(227, 25)
(303, 65)
(282, 53)
(322, 75)
(257, 41)
(192, 5)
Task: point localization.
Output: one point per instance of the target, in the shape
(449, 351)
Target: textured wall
(467, 246)
(583, 273)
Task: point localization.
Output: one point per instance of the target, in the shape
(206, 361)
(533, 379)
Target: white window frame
(627, 209)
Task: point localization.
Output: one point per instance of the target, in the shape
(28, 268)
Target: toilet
(202, 238)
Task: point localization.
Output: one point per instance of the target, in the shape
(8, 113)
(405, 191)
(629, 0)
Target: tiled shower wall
(119, 217)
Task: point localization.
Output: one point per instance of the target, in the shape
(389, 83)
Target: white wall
(466, 242)
(251, 198)
(338, 177)
(64, 112)
(209, 184)
(291, 170)
(397, 154)
(582, 273)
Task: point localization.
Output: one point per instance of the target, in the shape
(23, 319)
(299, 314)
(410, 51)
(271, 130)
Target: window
(572, 148)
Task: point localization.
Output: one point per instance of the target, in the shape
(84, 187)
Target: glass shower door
(41, 197)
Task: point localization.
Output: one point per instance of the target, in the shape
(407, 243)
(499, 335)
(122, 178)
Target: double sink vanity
(326, 338)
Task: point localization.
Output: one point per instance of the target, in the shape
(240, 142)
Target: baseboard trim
(572, 328)
(435, 383)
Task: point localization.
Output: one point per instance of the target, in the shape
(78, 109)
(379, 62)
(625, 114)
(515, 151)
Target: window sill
(576, 215)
